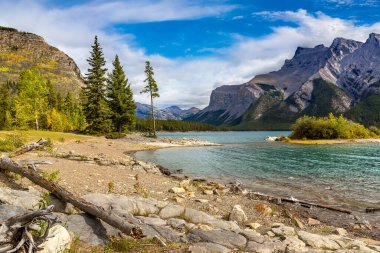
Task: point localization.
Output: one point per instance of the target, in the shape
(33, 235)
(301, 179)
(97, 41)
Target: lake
(346, 174)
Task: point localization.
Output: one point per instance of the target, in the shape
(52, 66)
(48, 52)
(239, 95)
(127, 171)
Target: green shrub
(115, 135)
(374, 130)
(11, 142)
(330, 127)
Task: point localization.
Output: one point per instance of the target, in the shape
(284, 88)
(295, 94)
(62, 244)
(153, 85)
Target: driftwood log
(17, 231)
(130, 229)
(302, 203)
(372, 210)
(26, 148)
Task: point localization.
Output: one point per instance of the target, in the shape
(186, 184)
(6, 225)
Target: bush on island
(330, 127)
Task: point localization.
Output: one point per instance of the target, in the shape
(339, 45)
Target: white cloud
(353, 2)
(183, 81)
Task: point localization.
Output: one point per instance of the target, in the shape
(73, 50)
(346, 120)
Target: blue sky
(194, 45)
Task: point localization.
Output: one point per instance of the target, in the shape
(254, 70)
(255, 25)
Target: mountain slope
(21, 50)
(316, 81)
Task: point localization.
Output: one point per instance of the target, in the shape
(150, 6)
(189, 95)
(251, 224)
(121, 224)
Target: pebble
(313, 222)
(177, 190)
(201, 200)
(254, 225)
(208, 192)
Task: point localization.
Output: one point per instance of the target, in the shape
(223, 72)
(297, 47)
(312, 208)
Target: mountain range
(342, 78)
(169, 113)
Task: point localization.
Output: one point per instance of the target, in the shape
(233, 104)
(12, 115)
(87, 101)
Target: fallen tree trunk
(26, 148)
(7, 164)
(15, 231)
(372, 210)
(303, 203)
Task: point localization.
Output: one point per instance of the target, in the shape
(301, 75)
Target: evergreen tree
(120, 97)
(152, 89)
(59, 102)
(5, 103)
(31, 101)
(94, 102)
(69, 103)
(8, 91)
(52, 97)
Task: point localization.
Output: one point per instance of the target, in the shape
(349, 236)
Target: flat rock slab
(196, 217)
(318, 241)
(206, 247)
(171, 211)
(8, 211)
(122, 204)
(267, 247)
(168, 233)
(26, 199)
(86, 228)
(152, 221)
(226, 238)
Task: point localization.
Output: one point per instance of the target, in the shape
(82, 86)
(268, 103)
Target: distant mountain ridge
(169, 113)
(22, 50)
(315, 81)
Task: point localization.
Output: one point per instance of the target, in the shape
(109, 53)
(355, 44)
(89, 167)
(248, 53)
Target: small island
(330, 130)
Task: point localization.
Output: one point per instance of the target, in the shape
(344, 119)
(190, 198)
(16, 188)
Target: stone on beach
(238, 215)
(177, 190)
(313, 222)
(254, 225)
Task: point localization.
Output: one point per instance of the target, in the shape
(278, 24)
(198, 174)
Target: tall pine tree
(120, 98)
(94, 102)
(152, 89)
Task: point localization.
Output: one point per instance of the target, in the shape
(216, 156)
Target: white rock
(177, 190)
(171, 211)
(57, 241)
(341, 231)
(254, 225)
(238, 215)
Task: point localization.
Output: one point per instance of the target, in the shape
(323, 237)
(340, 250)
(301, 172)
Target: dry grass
(33, 135)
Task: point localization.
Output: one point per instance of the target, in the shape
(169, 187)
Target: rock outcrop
(316, 81)
(22, 50)
(201, 231)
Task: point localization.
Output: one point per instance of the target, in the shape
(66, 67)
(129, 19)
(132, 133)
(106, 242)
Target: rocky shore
(177, 215)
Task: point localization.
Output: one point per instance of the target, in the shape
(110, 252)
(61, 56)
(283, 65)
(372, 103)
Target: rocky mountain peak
(374, 37)
(342, 46)
(22, 50)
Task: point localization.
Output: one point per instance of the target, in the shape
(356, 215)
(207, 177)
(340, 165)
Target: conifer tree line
(105, 103)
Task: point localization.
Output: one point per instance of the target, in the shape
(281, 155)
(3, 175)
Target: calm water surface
(345, 174)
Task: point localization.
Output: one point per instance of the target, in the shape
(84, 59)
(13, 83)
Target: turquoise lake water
(344, 174)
